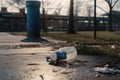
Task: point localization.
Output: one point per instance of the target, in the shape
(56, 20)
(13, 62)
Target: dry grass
(85, 42)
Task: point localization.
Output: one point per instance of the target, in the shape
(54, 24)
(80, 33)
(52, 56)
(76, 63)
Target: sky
(62, 6)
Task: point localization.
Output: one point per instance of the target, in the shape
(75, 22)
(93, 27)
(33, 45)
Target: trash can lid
(32, 3)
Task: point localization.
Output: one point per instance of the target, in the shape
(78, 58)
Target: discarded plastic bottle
(65, 53)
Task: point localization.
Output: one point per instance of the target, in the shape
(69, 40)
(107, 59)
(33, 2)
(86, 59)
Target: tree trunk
(71, 18)
(110, 20)
(44, 27)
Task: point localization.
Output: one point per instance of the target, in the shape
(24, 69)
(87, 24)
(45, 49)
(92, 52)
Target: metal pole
(95, 23)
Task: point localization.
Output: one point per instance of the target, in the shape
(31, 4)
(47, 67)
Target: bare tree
(111, 4)
(19, 4)
(57, 11)
(89, 13)
(44, 11)
(77, 7)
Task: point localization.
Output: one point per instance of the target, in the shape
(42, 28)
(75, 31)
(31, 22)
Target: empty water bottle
(65, 53)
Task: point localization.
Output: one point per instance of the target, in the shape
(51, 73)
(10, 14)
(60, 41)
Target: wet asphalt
(30, 64)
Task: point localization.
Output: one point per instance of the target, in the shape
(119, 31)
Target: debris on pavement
(54, 70)
(65, 71)
(42, 77)
(113, 46)
(65, 53)
(32, 64)
(97, 75)
(106, 69)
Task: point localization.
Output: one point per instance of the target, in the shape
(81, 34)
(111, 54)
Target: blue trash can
(33, 19)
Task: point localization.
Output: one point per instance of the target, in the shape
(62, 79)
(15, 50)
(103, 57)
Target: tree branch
(108, 2)
(114, 3)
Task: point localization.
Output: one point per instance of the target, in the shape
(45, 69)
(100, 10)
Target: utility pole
(95, 22)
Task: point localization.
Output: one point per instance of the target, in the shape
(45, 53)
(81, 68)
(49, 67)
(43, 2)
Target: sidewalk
(8, 38)
(26, 61)
(11, 44)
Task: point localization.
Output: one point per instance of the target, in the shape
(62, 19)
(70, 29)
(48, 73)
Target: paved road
(30, 64)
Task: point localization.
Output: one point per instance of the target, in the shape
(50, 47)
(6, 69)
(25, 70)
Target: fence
(12, 22)
(16, 22)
